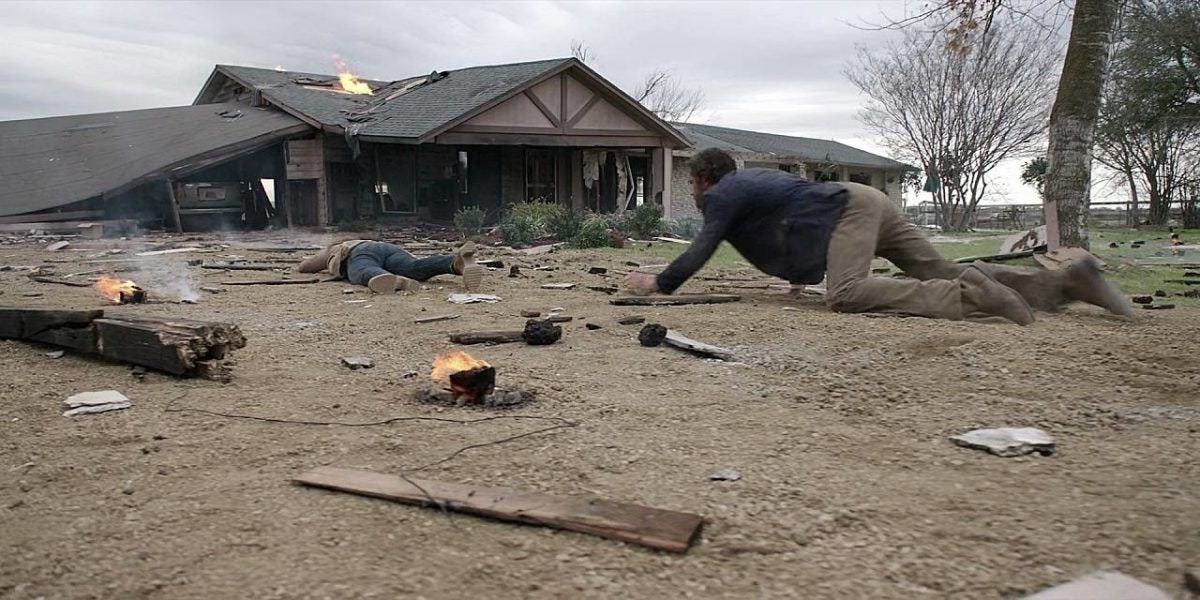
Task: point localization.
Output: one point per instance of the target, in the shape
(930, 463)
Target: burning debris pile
(460, 379)
(118, 291)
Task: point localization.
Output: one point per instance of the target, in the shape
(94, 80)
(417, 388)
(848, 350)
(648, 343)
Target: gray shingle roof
(392, 112)
(45, 163)
(783, 146)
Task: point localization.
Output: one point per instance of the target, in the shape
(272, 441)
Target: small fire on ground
(350, 82)
(120, 291)
(461, 379)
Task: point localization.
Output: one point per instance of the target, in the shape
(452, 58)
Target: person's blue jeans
(369, 259)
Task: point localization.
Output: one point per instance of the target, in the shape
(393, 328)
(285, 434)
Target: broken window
(860, 177)
(462, 171)
(539, 175)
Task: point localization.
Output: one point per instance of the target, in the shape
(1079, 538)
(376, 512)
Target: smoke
(168, 278)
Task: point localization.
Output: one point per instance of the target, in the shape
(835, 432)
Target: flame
(350, 82)
(453, 362)
(110, 287)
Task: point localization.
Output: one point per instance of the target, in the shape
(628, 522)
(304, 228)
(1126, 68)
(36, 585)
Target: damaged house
(302, 149)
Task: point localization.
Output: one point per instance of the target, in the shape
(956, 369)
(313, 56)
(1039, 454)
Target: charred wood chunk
(514, 271)
(473, 384)
(541, 333)
(652, 335)
(1143, 299)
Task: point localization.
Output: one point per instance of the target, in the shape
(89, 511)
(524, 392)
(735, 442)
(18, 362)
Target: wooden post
(283, 199)
(666, 183)
(174, 206)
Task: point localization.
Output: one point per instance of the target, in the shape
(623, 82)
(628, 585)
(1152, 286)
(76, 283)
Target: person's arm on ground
(316, 264)
(717, 220)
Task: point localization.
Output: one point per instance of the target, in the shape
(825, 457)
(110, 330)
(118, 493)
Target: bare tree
(662, 93)
(660, 90)
(958, 113)
(1076, 105)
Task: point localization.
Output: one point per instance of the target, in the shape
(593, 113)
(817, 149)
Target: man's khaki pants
(872, 226)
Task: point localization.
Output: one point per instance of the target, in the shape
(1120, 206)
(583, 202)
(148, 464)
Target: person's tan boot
(1085, 284)
(982, 294)
(465, 265)
(384, 283)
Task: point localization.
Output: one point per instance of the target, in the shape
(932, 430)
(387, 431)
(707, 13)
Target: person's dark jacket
(780, 222)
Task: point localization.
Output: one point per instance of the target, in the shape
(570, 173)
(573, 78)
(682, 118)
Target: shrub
(469, 220)
(564, 225)
(592, 233)
(538, 214)
(644, 221)
(685, 228)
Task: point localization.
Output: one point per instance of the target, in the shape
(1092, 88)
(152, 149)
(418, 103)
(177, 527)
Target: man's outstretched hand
(642, 284)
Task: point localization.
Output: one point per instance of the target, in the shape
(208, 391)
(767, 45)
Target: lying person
(385, 268)
(802, 231)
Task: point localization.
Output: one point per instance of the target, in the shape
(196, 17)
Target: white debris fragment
(1007, 441)
(1102, 585)
(56, 246)
(95, 402)
(725, 475)
(472, 298)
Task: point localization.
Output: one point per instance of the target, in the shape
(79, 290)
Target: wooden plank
(43, 279)
(675, 300)
(271, 282)
(682, 342)
(996, 257)
(227, 266)
(18, 323)
(668, 530)
(486, 337)
(434, 318)
(174, 206)
(73, 215)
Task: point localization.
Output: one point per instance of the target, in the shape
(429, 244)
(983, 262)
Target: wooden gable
(564, 107)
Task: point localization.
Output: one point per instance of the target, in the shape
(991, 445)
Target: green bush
(538, 214)
(517, 230)
(592, 233)
(685, 228)
(643, 222)
(564, 224)
(469, 220)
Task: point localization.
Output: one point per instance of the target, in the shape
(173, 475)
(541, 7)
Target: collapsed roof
(51, 162)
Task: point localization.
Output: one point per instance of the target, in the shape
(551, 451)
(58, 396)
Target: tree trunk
(1132, 219)
(1073, 122)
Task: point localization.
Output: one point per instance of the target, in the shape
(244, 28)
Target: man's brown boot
(1085, 284)
(982, 294)
(464, 264)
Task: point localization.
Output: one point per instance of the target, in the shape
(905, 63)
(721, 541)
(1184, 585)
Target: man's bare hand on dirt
(642, 284)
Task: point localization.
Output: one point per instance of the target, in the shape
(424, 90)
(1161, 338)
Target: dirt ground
(838, 424)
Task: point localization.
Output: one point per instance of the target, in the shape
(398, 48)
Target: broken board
(678, 340)
(652, 527)
(675, 300)
(486, 337)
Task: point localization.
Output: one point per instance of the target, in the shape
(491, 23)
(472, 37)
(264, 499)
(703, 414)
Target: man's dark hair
(711, 165)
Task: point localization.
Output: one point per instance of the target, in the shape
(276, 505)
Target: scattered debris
(674, 300)
(995, 257)
(725, 475)
(514, 271)
(1191, 281)
(652, 335)
(1191, 581)
(634, 320)
(1007, 441)
(434, 318)
(358, 362)
(241, 266)
(56, 246)
(1158, 306)
(558, 286)
(607, 289)
(173, 251)
(469, 338)
(472, 298)
(43, 279)
(1160, 294)
(55, 353)
(591, 326)
(349, 291)
(540, 249)
(271, 281)
(31, 295)
(176, 346)
(597, 270)
(529, 314)
(559, 318)
(95, 402)
(211, 290)
(493, 263)
(1032, 239)
(1102, 585)
(630, 263)
(672, 240)
(676, 339)
(655, 528)
(1142, 299)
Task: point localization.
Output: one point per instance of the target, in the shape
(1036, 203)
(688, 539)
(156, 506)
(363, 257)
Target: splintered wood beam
(668, 530)
(244, 266)
(176, 346)
(42, 279)
(434, 318)
(675, 300)
(486, 337)
(271, 282)
(678, 340)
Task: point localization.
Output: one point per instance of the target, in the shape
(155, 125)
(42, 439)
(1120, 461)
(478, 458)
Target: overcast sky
(774, 67)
